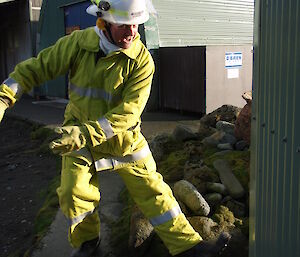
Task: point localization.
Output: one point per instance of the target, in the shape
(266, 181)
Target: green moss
(45, 136)
(209, 151)
(223, 215)
(171, 146)
(48, 211)
(172, 167)
(239, 162)
(40, 133)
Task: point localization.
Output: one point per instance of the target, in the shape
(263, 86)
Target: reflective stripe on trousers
(165, 217)
(111, 163)
(79, 218)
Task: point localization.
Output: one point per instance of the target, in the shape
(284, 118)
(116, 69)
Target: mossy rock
(223, 215)
(172, 167)
(209, 151)
(171, 146)
(200, 176)
(204, 226)
(239, 162)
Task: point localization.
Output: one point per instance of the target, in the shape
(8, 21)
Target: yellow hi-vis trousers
(79, 198)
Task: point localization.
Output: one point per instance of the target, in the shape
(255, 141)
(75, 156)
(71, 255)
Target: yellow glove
(3, 106)
(72, 139)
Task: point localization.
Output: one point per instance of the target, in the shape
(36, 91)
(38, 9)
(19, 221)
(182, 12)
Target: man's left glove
(72, 139)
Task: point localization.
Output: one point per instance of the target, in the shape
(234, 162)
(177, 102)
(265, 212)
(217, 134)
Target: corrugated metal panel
(182, 78)
(275, 164)
(15, 36)
(205, 22)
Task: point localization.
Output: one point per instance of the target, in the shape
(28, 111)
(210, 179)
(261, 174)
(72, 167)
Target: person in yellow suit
(110, 74)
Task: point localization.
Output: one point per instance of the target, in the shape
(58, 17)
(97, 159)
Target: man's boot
(87, 248)
(209, 248)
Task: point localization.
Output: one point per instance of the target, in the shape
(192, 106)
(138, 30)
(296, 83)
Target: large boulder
(194, 149)
(214, 139)
(204, 226)
(225, 126)
(190, 196)
(219, 137)
(172, 166)
(227, 178)
(227, 113)
(183, 133)
(225, 146)
(213, 199)
(157, 145)
(199, 176)
(216, 188)
(205, 130)
(242, 128)
(141, 232)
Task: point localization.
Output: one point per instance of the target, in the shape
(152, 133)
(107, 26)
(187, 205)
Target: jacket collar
(90, 42)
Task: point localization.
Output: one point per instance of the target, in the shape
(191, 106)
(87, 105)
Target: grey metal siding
(275, 163)
(206, 22)
(15, 33)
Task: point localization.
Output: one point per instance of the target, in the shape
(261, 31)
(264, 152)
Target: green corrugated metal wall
(275, 155)
(205, 22)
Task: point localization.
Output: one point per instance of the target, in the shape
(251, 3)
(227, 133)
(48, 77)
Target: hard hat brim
(93, 9)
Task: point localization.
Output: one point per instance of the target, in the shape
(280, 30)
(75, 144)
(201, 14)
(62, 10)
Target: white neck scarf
(106, 46)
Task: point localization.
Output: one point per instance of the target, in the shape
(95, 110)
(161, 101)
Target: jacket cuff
(7, 93)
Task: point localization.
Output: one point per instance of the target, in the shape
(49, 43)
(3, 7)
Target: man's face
(123, 35)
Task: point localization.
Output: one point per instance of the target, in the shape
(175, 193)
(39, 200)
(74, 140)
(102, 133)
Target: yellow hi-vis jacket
(107, 95)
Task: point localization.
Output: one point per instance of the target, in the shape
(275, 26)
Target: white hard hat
(121, 11)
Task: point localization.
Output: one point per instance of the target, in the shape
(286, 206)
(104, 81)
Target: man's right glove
(3, 106)
(72, 139)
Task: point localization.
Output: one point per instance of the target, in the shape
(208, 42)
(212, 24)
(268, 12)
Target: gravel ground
(25, 176)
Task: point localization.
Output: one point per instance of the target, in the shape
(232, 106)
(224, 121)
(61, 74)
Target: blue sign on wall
(233, 59)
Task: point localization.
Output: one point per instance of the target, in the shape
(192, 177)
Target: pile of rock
(208, 171)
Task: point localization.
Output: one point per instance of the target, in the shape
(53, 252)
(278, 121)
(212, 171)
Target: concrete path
(55, 243)
(50, 113)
